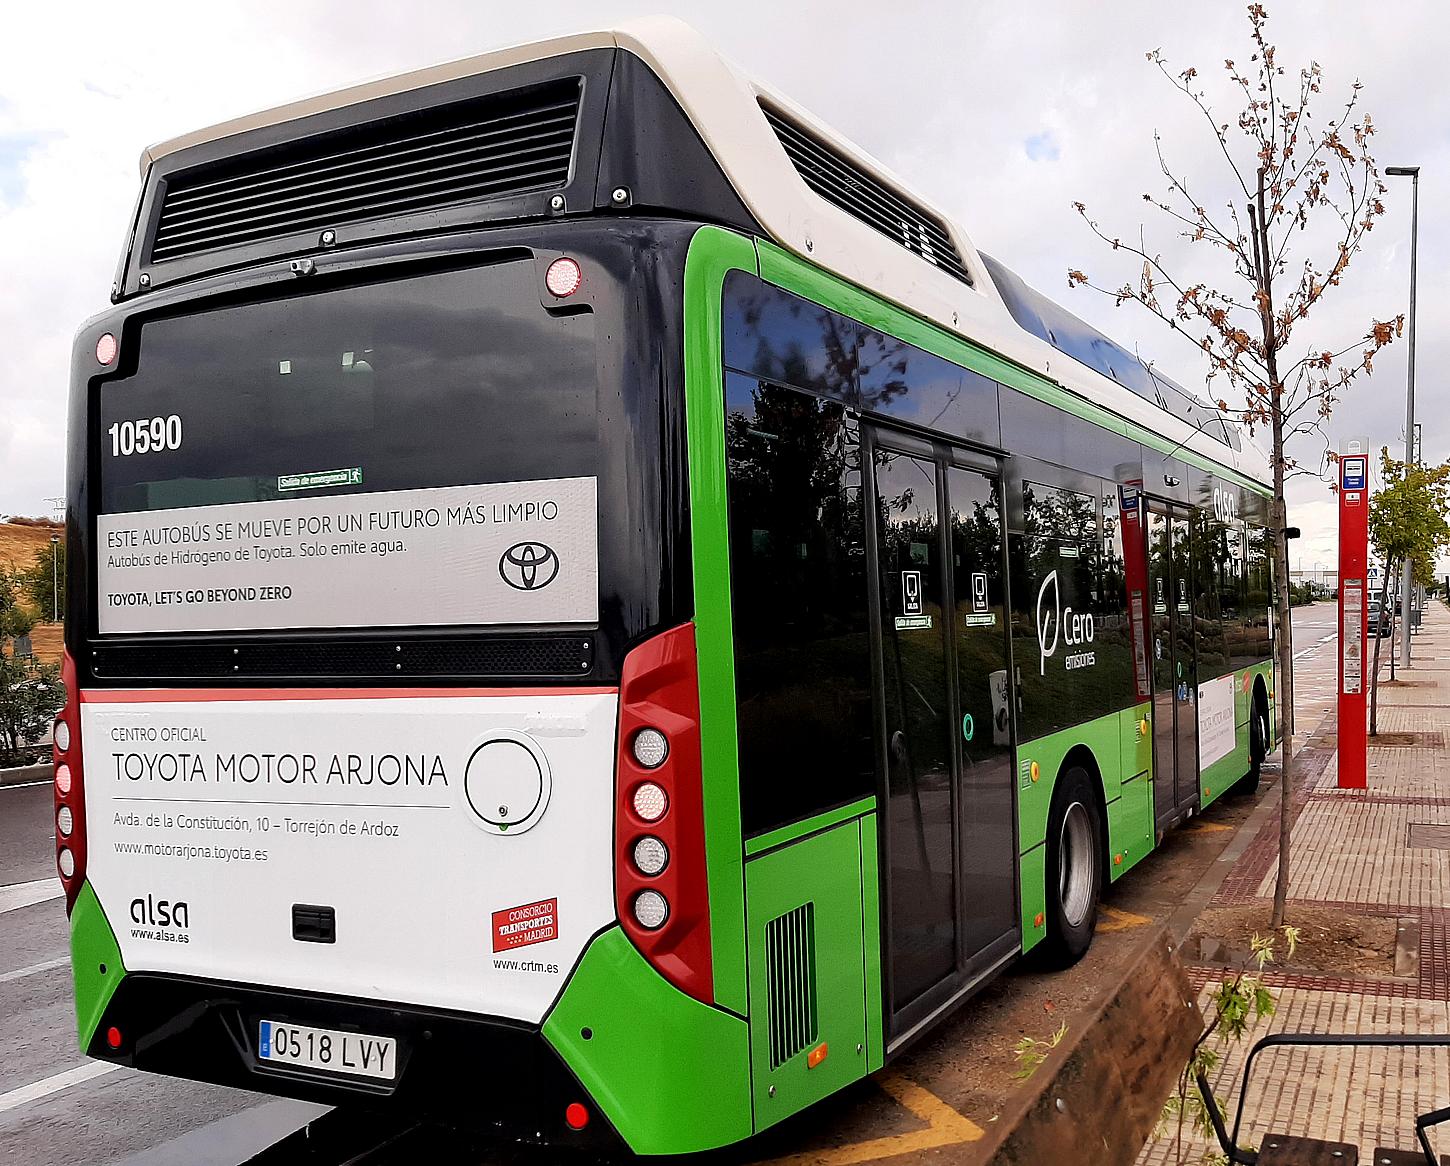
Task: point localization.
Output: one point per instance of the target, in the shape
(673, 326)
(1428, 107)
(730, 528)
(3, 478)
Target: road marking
(48, 1085)
(33, 969)
(18, 895)
(1119, 920)
(944, 1127)
(23, 784)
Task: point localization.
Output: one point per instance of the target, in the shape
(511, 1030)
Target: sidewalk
(1376, 859)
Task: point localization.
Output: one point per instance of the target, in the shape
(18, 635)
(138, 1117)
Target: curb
(1098, 1097)
(25, 774)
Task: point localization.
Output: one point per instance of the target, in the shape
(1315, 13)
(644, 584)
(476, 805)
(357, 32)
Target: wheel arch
(1080, 756)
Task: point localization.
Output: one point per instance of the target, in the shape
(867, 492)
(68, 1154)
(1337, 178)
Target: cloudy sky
(1003, 114)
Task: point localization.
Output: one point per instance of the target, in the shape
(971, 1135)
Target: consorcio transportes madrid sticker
(530, 923)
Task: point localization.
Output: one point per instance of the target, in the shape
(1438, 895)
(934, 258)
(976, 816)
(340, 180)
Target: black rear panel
(474, 417)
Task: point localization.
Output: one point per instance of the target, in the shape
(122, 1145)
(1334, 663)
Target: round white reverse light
(651, 855)
(563, 277)
(64, 821)
(62, 736)
(62, 778)
(651, 909)
(66, 861)
(650, 801)
(651, 748)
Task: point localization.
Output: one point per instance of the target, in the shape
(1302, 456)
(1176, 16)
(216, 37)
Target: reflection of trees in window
(1210, 555)
(1061, 529)
(803, 669)
(977, 544)
(1062, 534)
(1258, 591)
(791, 339)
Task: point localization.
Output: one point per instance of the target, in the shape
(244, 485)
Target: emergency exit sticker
(530, 923)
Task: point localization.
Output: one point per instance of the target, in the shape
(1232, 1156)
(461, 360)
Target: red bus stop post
(1353, 579)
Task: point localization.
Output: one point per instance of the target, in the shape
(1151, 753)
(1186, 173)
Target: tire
(1074, 868)
(1258, 749)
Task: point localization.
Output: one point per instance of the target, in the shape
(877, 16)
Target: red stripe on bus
(197, 695)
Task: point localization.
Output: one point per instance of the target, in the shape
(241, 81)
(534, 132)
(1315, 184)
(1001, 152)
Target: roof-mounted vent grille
(842, 183)
(498, 146)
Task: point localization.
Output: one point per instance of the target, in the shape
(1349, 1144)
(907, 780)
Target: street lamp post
(1413, 174)
(55, 578)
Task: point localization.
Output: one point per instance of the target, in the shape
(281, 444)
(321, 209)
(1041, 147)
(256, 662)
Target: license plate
(328, 1049)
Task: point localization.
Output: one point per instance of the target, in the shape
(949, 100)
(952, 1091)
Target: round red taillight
(563, 277)
(113, 1037)
(576, 1116)
(106, 349)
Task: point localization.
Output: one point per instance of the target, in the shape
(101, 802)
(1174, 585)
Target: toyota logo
(528, 566)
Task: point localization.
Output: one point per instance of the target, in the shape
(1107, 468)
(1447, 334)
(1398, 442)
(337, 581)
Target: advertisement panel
(1215, 720)
(500, 553)
(426, 829)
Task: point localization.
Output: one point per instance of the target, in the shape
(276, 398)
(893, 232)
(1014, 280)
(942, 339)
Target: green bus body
(675, 1075)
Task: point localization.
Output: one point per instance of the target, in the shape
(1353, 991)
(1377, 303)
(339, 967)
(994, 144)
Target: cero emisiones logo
(528, 566)
(1048, 617)
(1053, 621)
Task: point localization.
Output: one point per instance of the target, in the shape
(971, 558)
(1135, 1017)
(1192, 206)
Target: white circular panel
(507, 783)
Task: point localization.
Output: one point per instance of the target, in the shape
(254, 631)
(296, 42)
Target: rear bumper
(464, 1069)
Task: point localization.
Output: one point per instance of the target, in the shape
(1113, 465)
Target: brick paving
(1351, 851)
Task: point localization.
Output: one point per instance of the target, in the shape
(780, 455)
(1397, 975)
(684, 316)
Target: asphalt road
(57, 1108)
(120, 1115)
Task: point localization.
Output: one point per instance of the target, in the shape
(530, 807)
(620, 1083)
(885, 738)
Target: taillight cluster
(660, 878)
(70, 800)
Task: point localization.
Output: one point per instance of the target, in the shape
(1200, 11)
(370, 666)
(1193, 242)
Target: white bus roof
(725, 107)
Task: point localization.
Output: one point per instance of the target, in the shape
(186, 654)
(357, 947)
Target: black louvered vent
(498, 146)
(842, 183)
(790, 968)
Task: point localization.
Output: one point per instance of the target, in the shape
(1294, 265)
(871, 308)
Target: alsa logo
(1225, 505)
(155, 912)
(1074, 628)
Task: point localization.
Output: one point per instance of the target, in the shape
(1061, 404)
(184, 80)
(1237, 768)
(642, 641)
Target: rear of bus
(379, 775)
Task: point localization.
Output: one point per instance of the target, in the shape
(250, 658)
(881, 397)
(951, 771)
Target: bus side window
(803, 685)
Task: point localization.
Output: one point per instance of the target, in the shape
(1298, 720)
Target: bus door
(1175, 663)
(945, 721)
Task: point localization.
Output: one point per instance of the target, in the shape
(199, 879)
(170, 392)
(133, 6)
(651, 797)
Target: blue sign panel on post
(1352, 473)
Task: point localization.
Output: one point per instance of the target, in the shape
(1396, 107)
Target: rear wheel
(1074, 867)
(1258, 748)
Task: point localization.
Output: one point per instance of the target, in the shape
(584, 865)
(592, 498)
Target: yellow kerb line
(1111, 919)
(944, 1127)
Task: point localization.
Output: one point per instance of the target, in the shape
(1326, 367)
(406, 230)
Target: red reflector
(113, 1037)
(563, 277)
(576, 1117)
(106, 349)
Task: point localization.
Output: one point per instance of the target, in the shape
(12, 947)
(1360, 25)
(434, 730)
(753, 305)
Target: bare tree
(1302, 197)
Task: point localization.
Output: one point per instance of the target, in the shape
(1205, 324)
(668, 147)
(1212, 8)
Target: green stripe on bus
(813, 825)
(95, 963)
(713, 252)
(788, 271)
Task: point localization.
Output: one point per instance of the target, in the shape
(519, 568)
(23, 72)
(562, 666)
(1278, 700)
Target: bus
(594, 607)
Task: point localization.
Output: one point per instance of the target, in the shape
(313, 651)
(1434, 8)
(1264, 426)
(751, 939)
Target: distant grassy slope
(18, 544)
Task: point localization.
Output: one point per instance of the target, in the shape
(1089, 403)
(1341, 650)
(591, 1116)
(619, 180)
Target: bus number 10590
(147, 435)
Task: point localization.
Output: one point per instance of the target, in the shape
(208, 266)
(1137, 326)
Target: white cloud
(949, 95)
